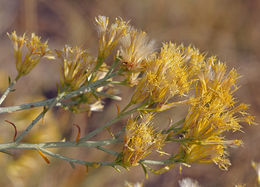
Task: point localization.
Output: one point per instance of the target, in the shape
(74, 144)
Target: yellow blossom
(76, 67)
(28, 52)
(109, 36)
(170, 73)
(206, 154)
(140, 139)
(213, 111)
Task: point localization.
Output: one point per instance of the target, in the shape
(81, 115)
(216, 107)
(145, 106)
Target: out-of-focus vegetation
(228, 28)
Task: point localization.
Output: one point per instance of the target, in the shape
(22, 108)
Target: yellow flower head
(206, 154)
(109, 36)
(76, 67)
(213, 111)
(140, 140)
(214, 100)
(169, 74)
(28, 52)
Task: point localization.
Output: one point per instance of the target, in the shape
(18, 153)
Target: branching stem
(7, 91)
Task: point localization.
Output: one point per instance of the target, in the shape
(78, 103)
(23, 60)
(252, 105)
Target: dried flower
(76, 67)
(28, 52)
(140, 140)
(109, 36)
(134, 49)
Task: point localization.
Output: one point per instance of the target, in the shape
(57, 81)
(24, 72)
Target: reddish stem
(15, 129)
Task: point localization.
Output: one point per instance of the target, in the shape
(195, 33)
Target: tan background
(227, 28)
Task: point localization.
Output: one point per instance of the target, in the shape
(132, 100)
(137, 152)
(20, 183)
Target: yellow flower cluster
(181, 75)
(35, 50)
(76, 67)
(140, 139)
(109, 36)
(163, 79)
(213, 111)
(167, 74)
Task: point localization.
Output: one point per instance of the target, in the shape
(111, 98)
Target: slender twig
(174, 125)
(108, 151)
(11, 109)
(41, 115)
(72, 160)
(7, 91)
(126, 107)
(14, 145)
(29, 127)
(120, 116)
(75, 93)
(82, 162)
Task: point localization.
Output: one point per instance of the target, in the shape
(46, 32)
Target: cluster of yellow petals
(213, 111)
(140, 139)
(174, 75)
(167, 74)
(76, 67)
(109, 36)
(34, 51)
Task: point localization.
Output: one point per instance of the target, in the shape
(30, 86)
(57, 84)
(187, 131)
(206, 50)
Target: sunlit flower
(28, 52)
(169, 74)
(76, 67)
(140, 139)
(213, 111)
(109, 36)
(206, 154)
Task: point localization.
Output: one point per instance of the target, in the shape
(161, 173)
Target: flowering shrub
(162, 79)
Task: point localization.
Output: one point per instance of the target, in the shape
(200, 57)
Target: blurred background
(226, 28)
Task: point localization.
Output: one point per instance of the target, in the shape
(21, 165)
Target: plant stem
(107, 151)
(96, 131)
(75, 93)
(71, 160)
(7, 91)
(41, 115)
(173, 126)
(15, 145)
